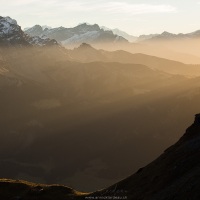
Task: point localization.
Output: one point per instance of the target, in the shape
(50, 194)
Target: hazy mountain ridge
(180, 47)
(86, 53)
(125, 35)
(167, 36)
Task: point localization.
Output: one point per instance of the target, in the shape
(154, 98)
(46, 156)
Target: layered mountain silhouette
(173, 175)
(86, 53)
(57, 101)
(53, 99)
(169, 36)
(180, 47)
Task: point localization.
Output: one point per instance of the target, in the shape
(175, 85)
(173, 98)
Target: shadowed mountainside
(173, 175)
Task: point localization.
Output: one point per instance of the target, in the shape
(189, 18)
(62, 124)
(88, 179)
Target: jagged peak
(7, 24)
(10, 20)
(197, 119)
(193, 131)
(86, 26)
(85, 46)
(165, 33)
(37, 26)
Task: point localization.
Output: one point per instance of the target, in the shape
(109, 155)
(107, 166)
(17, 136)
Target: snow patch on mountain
(38, 41)
(10, 20)
(7, 26)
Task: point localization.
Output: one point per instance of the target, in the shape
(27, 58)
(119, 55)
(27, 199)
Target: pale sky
(133, 16)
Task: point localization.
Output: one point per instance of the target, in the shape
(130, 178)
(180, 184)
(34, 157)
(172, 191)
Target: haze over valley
(87, 106)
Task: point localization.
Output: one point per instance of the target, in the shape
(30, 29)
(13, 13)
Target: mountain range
(166, 36)
(94, 34)
(72, 37)
(179, 47)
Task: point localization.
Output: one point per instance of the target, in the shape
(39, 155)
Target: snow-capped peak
(10, 20)
(8, 26)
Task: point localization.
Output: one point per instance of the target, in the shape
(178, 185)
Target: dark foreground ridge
(175, 175)
(23, 190)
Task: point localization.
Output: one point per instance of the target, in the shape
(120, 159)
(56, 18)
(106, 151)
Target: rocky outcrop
(11, 33)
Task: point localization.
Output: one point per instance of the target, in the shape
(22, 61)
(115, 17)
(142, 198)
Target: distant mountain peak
(121, 33)
(36, 30)
(85, 46)
(10, 20)
(165, 33)
(88, 27)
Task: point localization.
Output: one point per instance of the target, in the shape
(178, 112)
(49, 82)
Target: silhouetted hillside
(86, 53)
(174, 175)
